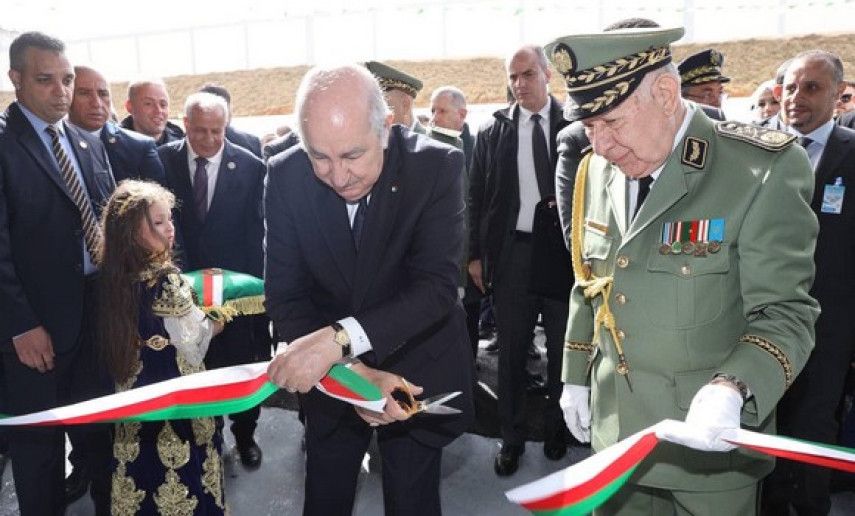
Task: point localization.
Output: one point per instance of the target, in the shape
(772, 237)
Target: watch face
(341, 338)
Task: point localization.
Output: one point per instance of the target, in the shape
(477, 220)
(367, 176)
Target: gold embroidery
(203, 430)
(396, 84)
(129, 383)
(126, 444)
(587, 347)
(562, 60)
(768, 139)
(185, 367)
(618, 69)
(212, 476)
(157, 342)
(608, 97)
(694, 73)
(125, 498)
(782, 358)
(175, 299)
(173, 452)
(172, 497)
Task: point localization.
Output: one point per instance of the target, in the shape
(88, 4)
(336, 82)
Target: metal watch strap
(744, 391)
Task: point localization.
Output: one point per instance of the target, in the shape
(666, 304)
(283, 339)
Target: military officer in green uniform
(692, 245)
(701, 77)
(401, 90)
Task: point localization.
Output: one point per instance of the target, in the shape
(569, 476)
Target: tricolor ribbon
(208, 393)
(584, 486)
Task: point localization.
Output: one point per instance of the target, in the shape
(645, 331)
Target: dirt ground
(271, 91)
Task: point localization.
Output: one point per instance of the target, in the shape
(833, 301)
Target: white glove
(190, 334)
(715, 408)
(575, 402)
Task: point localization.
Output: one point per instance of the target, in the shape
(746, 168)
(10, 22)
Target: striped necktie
(91, 231)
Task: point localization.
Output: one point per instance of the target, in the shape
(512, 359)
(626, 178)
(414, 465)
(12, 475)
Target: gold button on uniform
(621, 299)
(622, 262)
(621, 335)
(685, 270)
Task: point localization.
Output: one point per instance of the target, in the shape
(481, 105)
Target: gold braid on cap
(698, 72)
(620, 68)
(593, 286)
(395, 84)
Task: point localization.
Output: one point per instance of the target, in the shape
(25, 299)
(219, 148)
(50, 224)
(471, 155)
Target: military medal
(714, 247)
(692, 237)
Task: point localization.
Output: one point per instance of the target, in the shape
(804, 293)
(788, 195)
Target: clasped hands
(306, 360)
(715, 408)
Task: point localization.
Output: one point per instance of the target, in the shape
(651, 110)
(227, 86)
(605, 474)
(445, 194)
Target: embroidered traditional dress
(168, 467)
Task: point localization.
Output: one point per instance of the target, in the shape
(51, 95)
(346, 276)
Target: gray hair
(832, 62)
(135, 85)
(458, 99)
(321, 78)
(31, 40)
(205, 101)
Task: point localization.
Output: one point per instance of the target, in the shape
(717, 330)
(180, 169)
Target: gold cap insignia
(563, 59)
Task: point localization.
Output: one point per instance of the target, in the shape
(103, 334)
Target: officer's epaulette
(768, 139)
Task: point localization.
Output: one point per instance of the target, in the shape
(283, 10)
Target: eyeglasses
(846, 98)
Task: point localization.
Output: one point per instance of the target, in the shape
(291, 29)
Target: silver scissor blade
(440, 410)
(439, 399)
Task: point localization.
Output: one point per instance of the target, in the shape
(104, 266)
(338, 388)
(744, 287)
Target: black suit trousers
(411, 470)
(516, 310)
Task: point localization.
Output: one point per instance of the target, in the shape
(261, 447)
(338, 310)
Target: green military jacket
(742, 310)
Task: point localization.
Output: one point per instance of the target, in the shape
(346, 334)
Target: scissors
(433, 405)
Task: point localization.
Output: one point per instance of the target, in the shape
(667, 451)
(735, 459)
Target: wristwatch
(741, 386)
(342, 339)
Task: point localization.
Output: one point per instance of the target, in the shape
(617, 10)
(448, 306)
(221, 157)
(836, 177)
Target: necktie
(643, 189)
(540, 153)
(359, 221)
(91, 231)
(200, 189)
(804, 141)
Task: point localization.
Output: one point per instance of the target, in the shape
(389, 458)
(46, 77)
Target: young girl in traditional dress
(149, 331)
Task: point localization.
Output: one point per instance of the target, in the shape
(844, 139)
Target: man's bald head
(92, 103)
(343, 122)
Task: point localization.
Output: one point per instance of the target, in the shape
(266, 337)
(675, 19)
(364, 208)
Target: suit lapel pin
(231, 165)
(83, 145)
(394, 188)
(111, 139)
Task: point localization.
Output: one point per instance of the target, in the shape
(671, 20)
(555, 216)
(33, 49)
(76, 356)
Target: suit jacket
(231, 235)
(494, 199)
(743, 310)
(171, 133)
(243, 139)
(847, 120)
(132, 155)
(401, 286)
(41, 242)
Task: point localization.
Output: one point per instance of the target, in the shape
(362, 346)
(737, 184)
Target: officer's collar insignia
(768, 139)
(695, 152)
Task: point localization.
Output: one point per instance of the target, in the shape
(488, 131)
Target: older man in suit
(219, 187)
(691, 299)
(364, 237)
(812, 84)
(243, 139)
(49, 237)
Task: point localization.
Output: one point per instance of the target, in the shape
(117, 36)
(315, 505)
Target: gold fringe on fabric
(251, 305)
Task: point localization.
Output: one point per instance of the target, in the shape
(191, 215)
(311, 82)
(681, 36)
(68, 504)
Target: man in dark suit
(812, 84)
(240, 138)
(364, 237)
(51, 189)
(148, 105)
(219, 188)
(512, 173)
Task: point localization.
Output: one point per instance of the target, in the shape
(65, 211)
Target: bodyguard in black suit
(364, 239)
(221, 224)
(509, 178)
(811, 87)
(50, 189)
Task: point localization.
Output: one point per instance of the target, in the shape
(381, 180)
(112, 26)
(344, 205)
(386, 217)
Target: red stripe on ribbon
(630, 458)
(826, 462)
(183, 397)
(334, 387)
(207, 288)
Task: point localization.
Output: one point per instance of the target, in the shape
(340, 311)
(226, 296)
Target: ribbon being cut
(584, 486)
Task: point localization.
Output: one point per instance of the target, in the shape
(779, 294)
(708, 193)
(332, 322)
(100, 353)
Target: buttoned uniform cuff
(359, 342)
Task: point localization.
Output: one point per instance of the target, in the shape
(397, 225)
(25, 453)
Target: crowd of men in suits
(383, 245)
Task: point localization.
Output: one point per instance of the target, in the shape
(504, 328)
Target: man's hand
(575, 403)
(387, 382)
(716, 407)
(477, 273)
(305, 361)
(35, 349)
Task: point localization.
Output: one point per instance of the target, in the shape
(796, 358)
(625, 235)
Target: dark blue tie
(359, 221)
(200, 189)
